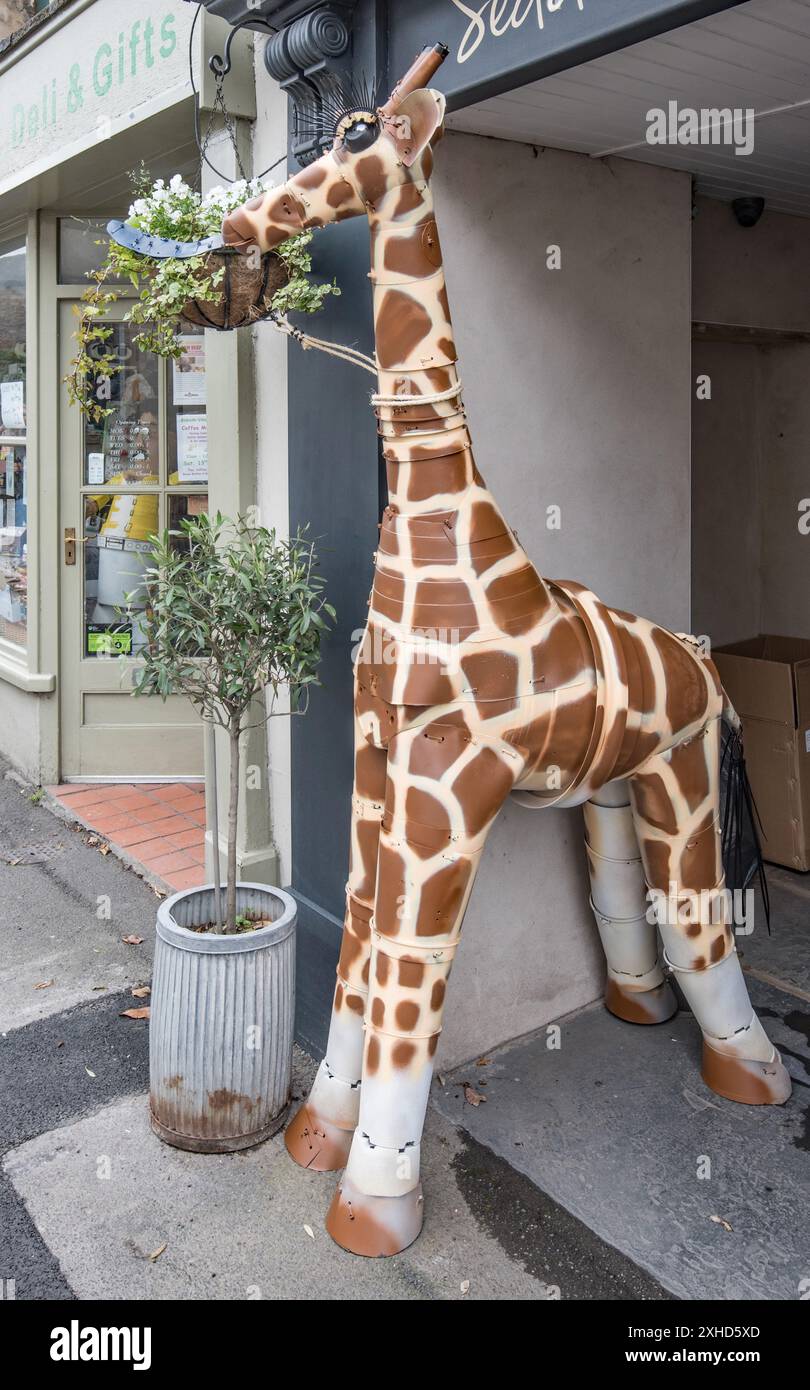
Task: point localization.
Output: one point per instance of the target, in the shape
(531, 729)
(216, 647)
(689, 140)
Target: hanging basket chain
(218, 105)
(220, 73)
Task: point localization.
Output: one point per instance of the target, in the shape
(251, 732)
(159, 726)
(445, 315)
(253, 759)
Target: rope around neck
(304, 340)
(435, 398)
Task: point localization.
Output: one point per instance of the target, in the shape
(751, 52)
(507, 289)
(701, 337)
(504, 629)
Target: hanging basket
(244, 294)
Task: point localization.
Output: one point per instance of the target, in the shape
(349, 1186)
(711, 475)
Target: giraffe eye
(358, 132)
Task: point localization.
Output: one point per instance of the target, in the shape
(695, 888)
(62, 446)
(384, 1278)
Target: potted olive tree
(232, 613)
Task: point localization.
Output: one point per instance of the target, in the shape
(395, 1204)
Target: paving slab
(65, 909)
(106, 1195)
(617, 1126)
(785, 954)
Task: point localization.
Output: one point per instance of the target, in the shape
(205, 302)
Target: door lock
(70, 545)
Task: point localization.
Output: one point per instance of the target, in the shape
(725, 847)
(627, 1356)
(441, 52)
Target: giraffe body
(476, 679)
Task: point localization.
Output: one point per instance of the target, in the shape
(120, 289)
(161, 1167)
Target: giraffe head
(374, 154)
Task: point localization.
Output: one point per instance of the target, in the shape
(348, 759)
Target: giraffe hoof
(374, 1226)
(747, 1082)
(316, 1143)
(651, 1006)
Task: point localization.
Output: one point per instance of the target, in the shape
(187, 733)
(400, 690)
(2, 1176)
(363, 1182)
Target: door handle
(70, 545)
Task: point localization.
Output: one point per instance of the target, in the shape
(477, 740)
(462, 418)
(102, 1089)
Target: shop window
(82, 247)
(145, 466)
(13, 451)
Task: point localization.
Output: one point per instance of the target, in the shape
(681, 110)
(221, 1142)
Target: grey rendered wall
(754, 276)
(578, 388)
(784, 454)
(751, 564)
(726, 499)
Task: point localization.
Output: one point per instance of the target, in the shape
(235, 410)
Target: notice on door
(192, 448)
(12, 405)
(188, 371)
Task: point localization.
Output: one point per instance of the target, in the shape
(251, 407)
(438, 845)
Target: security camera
(748, 210)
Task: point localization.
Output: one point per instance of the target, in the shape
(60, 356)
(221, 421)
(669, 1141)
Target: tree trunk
(233, 810)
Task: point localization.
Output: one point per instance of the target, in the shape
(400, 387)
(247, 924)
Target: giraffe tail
(740, 821)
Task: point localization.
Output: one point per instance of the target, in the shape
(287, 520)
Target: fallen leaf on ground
(156, 1254)
(473, 1097)
(719, 1221)
(44, 984)
(132, 940)
(440, 1079)
(465, 1286)
(310, 1232)
(484, 1062)
(142, 991)
(104, 849)
(89, 1072)
(136, 1013)
(698, 1102)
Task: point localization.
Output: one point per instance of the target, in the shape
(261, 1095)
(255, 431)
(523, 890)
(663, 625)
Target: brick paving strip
(157, 828)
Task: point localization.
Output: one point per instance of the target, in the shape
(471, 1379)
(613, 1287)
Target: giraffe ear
(418, 119)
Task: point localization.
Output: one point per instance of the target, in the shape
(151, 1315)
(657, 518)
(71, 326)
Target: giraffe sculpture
(476, 678)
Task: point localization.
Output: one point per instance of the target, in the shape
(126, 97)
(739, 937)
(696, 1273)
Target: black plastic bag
(739, 820)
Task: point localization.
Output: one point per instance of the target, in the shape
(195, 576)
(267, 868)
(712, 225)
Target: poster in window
(95, 468)
(108, 639)
(188, 371)
(192, 448)
(12, 405)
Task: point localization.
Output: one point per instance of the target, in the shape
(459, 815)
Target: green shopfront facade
(88, 90)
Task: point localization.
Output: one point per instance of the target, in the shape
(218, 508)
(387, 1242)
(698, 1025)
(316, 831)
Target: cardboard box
(767, 679)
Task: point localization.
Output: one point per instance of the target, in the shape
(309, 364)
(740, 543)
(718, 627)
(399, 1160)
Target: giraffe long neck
(447, 557)
(426, 445)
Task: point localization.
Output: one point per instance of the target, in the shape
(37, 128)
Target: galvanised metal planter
(221, 1032)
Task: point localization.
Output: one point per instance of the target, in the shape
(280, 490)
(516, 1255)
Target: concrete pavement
(88, 1194)
(580, 1176)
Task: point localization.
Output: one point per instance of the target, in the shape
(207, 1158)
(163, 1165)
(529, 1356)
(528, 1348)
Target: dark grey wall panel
(335, 488)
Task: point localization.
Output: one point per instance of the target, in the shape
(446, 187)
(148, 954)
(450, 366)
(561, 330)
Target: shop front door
(143, 468)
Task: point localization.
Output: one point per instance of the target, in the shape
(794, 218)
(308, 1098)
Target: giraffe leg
(636, 990)
(444, 791)
(675, 805)
(319, 1136)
